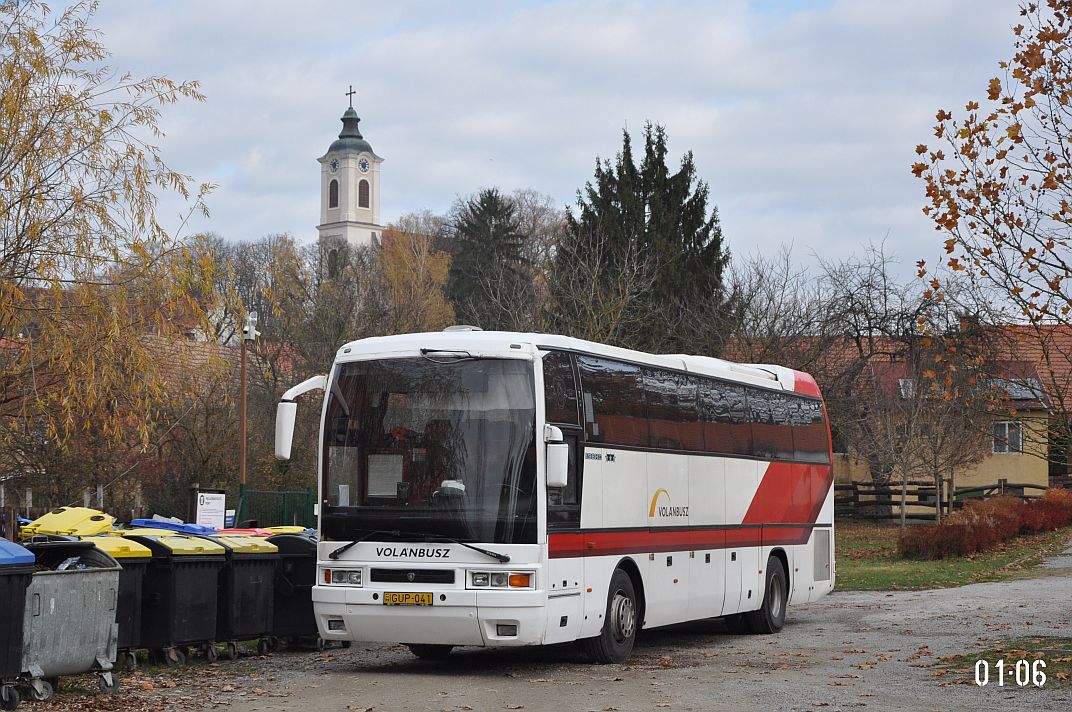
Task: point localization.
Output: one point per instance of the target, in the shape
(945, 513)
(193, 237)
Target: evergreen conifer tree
(652, 253)
(489, 278)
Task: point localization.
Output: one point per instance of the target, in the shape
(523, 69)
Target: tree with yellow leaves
(86, 269)
(415, 274)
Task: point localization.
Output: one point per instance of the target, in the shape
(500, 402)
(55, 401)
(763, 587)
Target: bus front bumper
(456, 617)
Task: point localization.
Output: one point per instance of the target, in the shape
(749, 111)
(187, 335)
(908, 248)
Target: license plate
(407, 598)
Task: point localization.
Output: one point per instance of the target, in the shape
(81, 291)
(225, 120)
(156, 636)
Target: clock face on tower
(363, 164)
(334, 165)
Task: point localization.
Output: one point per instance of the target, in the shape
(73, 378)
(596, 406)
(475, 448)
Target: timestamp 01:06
(1012, 672)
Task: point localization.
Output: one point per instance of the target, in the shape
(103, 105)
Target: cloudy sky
(802, 116)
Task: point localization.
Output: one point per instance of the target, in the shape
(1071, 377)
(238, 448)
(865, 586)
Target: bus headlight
(500, 579)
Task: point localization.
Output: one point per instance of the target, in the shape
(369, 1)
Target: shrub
(983, 524)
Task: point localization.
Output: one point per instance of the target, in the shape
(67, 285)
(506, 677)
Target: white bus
(504, 489)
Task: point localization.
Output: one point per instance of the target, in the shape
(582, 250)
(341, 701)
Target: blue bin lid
(172, 526)
(12, 554)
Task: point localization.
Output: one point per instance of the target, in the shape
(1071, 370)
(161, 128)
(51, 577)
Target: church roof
(350, 138)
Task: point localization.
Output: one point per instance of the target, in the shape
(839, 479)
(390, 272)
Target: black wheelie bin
(16, 571)
(294, 578)
(245, 597)
(134, 558)
(178, 593)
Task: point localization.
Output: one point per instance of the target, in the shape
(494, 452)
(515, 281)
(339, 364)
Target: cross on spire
(351, 95)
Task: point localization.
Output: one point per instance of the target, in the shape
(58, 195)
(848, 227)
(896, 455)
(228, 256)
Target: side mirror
(284, 428)
(557, 457)
(287, 411)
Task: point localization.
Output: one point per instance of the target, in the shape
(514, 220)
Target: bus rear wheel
(427, 651)
(771, 615)
(615, 643)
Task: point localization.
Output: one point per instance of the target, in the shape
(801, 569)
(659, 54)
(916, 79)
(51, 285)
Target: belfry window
(363, 194)
(333, 194)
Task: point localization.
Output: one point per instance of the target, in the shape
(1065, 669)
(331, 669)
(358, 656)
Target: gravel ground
(863, 650)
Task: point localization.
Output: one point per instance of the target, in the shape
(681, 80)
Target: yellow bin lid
(120, 548)
(178, 544)
(244, 544)
(70, 521)
(286, 530)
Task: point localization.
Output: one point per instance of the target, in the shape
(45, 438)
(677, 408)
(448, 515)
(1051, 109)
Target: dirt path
(867, 650)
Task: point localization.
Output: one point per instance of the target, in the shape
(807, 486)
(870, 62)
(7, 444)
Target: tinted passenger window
(560, 390)
(724, 414)
(673, 416)
(772, 431)
(810, 438)
(612, 402)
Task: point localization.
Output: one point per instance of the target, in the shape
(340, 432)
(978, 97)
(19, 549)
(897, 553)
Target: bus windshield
(436, 446)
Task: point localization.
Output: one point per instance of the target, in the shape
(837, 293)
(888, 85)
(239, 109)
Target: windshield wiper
(426, 537)
(486, 552)
(339, 552)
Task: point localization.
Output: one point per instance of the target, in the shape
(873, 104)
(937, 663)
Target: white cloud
(802, 117)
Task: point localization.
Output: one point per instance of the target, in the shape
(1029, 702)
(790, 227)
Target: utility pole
(249, 333)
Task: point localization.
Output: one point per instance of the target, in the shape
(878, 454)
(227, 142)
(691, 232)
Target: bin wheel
(41, 690)
(108, 682)
(263, 646)
(232, 651)
(172, 656)
(130, 661)
(321, 644)
(9, 697)
(346, 644)
(211, 654)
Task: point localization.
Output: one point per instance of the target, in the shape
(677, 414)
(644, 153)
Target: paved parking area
(865, 650)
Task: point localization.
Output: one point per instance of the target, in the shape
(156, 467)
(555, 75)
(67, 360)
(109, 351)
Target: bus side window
(724, 413)
(613, 402)
(673, 418)
(560, 388)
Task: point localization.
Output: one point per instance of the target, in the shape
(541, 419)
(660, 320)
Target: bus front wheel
(771, 615)
(615, 643)
(428, 651)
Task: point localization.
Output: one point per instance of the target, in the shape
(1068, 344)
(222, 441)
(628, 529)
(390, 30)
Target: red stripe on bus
(645, 541)
(790, 492)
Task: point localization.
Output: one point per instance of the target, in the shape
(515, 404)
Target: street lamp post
(249, 333)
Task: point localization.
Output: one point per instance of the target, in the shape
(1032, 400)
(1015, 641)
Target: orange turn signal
(520, 580)
(327, 575)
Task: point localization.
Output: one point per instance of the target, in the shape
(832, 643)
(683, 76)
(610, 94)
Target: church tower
(350, 187)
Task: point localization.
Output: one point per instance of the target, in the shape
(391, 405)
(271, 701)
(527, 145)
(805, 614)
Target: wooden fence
(922, 499)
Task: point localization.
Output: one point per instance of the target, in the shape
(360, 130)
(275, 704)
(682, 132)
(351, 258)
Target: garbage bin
(69, 521)
(16, 570)
(178, 593)
(69, 622)
(294, 578)
(178, 527)
(245, 598)
(134, 558)
(290, 529)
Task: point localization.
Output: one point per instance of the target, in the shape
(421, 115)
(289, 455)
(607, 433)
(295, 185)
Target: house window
(362, 194)
(908, 388)
(1008, 437)
(333, 194)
